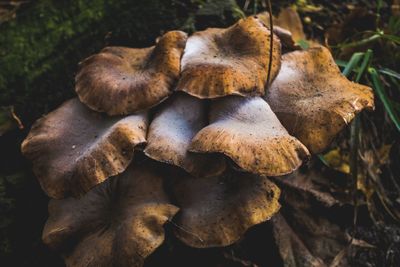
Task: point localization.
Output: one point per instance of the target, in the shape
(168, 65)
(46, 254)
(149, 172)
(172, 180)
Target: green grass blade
(380, 91)
(365, 41)
(390, 73)
(341, 63)
(303, 44)
(352, 64)
(393, 38)
(323, 160)
(364, 65)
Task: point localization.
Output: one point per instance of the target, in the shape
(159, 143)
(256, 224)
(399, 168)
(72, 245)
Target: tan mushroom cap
(117, 223)
(217, 211)
(121, 80)
(313, 100)
(171, 132)
(74, 148)
(232, 61)
(247, 131)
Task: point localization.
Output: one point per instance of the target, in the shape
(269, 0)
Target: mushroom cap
(117, 223)
(247, 131)
(171, 132)
(232, 61)
(217, 211)
(313, 100)
(121, 80)
(74, 148)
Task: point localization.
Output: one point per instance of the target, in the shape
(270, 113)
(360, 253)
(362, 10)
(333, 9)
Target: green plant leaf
(392, 38)
(303, 44)
(352, 64)
(364, 65)
(380, 91)
(390, 73)
(365, 41)
(341, 63)
(323, 160)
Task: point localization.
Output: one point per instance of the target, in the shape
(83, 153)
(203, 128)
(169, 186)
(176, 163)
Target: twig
(15, 117)
(271, 42)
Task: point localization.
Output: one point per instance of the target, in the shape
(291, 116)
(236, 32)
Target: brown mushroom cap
(74, 148)
(117, 223)
(171, 132)
(313, 100)
(247, 131)
(217, 211)
(122, 80)
(232, 61)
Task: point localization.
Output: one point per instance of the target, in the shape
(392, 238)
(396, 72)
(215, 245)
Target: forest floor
(23, 205)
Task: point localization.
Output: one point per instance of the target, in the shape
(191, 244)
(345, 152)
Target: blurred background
(42, 42)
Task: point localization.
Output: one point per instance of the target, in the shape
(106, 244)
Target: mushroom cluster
(188, 131)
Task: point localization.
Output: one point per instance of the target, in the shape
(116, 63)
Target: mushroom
(217, 211)
(313, 100)
(171, 132)
(247, 131)
(74, 148)
(117, 223)
(232, 61)
(121, 80)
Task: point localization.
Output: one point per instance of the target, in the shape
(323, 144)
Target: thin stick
(271, 43)
(15, 117)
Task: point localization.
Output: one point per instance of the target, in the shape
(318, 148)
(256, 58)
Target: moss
(40, 49)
